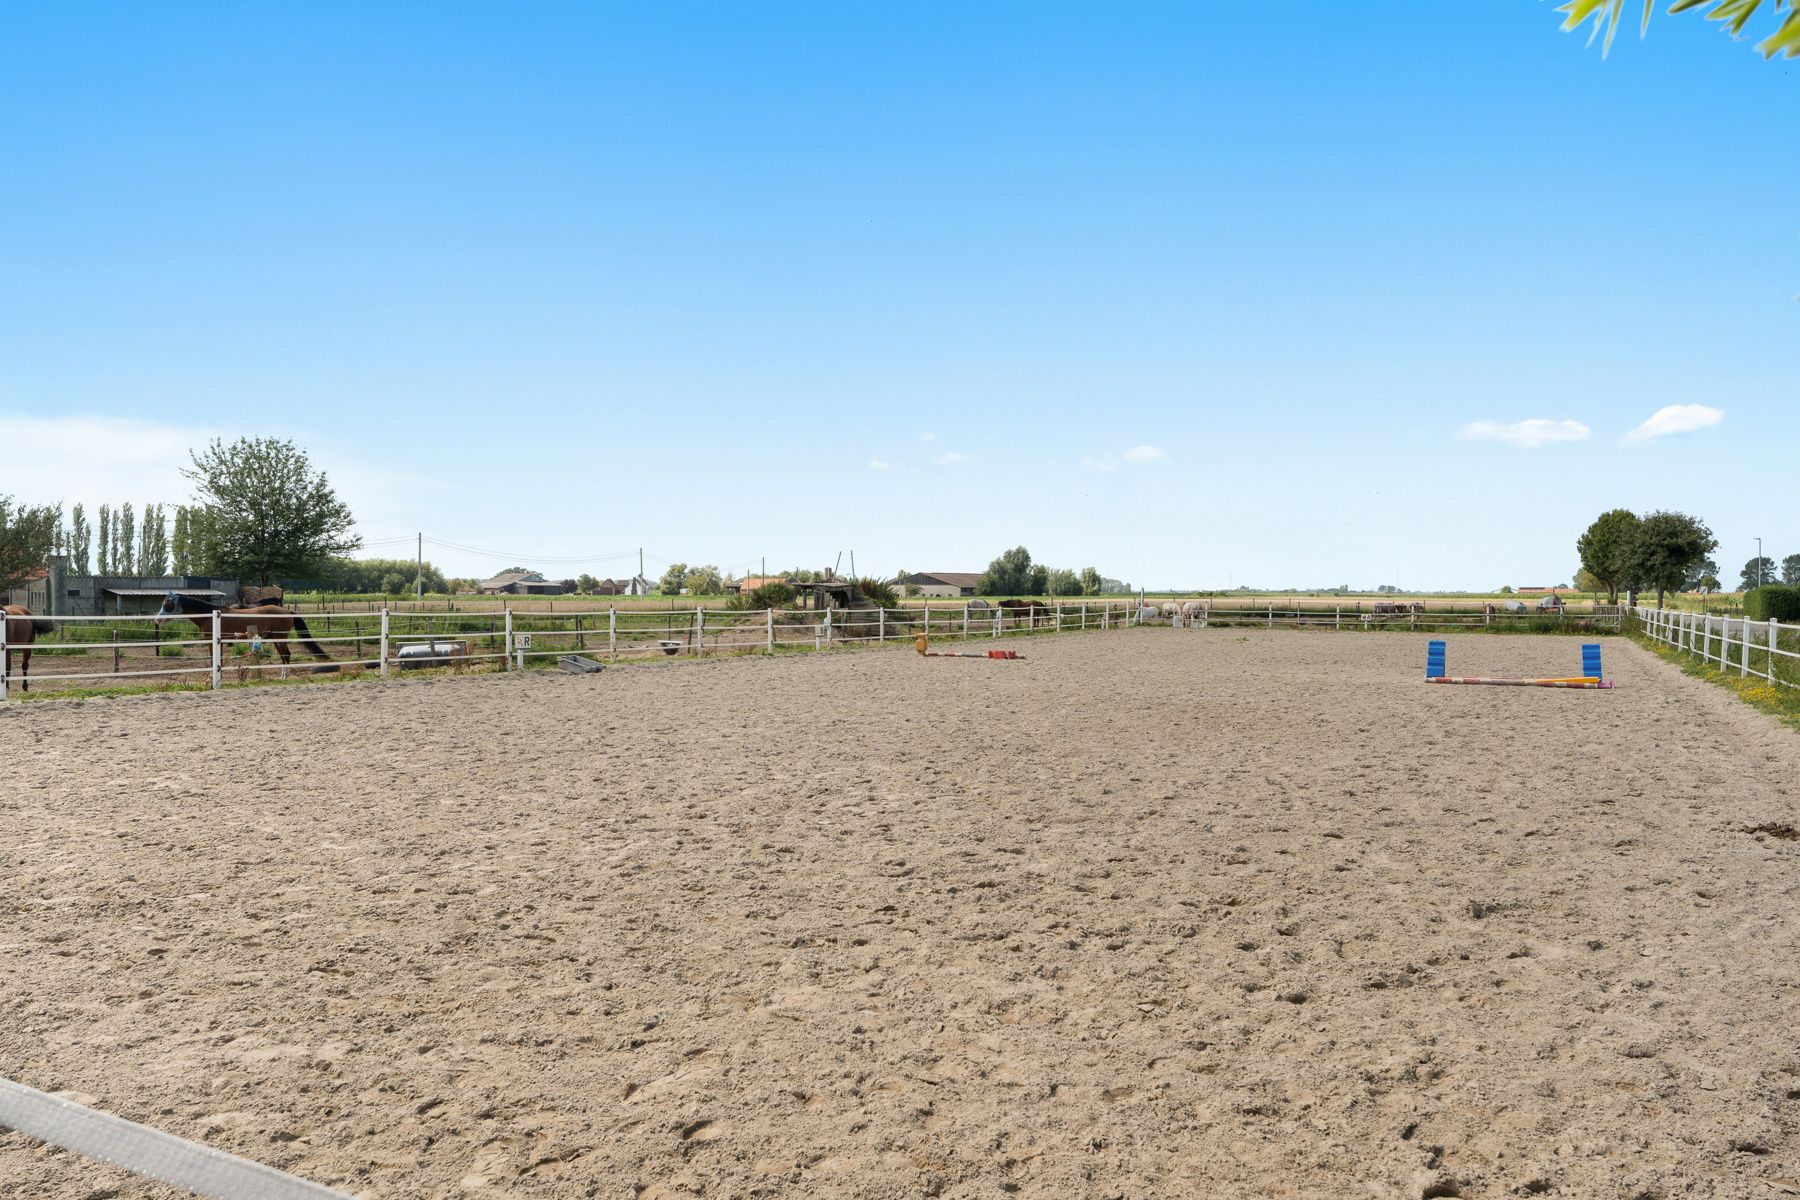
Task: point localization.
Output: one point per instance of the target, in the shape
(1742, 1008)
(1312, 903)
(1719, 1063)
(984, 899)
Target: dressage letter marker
(1590, 677)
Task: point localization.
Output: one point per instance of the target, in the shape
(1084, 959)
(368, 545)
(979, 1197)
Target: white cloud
(1527, 434)
(1676, 418)
(875, 464)
(1137, 455)
(950, 457)
(928, 437)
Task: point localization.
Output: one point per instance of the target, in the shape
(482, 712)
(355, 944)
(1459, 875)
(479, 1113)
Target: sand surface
(1152, 913)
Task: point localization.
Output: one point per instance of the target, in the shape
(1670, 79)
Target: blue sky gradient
(734, 281)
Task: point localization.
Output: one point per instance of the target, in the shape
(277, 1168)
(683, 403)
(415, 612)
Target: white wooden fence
(202, 653)
(1734, 643)
(1341, 616)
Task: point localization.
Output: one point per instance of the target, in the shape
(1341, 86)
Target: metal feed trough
(577, 664)
(429, 654)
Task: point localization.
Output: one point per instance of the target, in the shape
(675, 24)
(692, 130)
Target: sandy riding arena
(1152, 913)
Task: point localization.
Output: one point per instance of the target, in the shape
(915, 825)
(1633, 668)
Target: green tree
(1704, 570)
(1666, 550)
(1790, 569)
(27, 535)
(1063, 582)
(81, 541)
(178, 541)
(1606, 550)
(125, 540)
(673, 579)
(272, 513)
(705, 580)
(1757, 572)
(1091, 583)
(586, 584)
(103, 547)
(1008, 575)
(1038, 581)
(1607, 15)
(153, 542)
(1587, 581)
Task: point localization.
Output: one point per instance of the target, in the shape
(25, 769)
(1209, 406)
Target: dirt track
(1153, 913)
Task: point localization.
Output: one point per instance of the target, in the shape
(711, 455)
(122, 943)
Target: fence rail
(1202, 615)
(209, 650)
(1756, 650)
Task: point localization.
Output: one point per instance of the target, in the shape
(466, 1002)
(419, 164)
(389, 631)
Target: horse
(1026, 612)
(21, 630)
(270, 621)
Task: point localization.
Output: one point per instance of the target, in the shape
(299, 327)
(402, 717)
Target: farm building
(526, 583)
(638, 586)
(942, 583)
(55, 592)
(750, 583)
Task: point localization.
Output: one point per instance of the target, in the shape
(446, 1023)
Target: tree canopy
(1606, 550)
(1757, 572)
(1667, 549)
(1008, 575)
(27, 538)
(1790, 569)
(271, 513)
(1607, 15)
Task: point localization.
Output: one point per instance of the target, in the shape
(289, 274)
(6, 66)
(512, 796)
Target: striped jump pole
(1591, 677)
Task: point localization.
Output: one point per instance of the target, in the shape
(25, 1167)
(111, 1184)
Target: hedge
(1778, 600)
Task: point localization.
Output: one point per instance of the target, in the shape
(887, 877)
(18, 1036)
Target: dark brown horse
(268, 621)
(1026, 611)
(21, 630)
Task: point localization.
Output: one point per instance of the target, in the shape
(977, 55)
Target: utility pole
(640, 571)
(419, 573)
(1758, 562)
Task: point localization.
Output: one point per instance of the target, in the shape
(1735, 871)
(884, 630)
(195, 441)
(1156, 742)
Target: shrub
(880, 594)
(769, 595)
(1780, 601)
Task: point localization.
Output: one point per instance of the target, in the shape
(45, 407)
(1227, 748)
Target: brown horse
(270, 621)
(1026, 611)
(22, 630)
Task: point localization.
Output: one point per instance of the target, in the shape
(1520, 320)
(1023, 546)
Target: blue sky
(1194, 297)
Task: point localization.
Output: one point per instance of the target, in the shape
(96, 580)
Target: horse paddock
(1151, 913)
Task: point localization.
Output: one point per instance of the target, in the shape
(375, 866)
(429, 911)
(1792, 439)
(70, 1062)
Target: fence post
(928, 619)
(965, 620)
(580, 637)
(881, 625)
(218, 657)
(5, 661)
(997, 619)
(115, 652)
(1084, 616)
(1774, 644)
(384, 643)
(699, 632)
(769, 614)
(612, 634)
(1744, 655)
(506, 645)
(827, 623)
